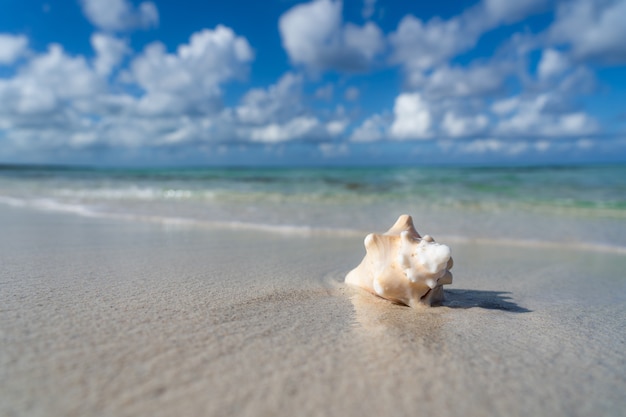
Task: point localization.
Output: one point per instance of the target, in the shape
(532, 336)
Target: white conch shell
(404, 267)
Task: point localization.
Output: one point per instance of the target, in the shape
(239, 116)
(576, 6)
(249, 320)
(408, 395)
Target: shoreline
(294, 230)
(108, 317)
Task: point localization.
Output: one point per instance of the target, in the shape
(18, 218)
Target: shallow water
(577, 206)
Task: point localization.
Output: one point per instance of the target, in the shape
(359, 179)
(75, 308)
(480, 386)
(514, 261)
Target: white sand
(108, 318)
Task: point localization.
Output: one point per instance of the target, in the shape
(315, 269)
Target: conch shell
(404, 267)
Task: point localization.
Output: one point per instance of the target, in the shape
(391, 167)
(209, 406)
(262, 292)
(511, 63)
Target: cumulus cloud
(412, 117)
(277, 114)
(189, 80)
(420, 45)
(553, 63)
(592, 29)
(453, 100)
(12, 47)
(456, 81)
(362, 42)
(295, 129)
(48, 81)
(314, 35)
(336, 127)
(506, 106)
(109, 52)
(520, 117)
(518, 147)
(48, 103)
(463, 126)
(277, 103)
(172, 97)
(120, 15)
(578, 80)
(374, 128)
(531, 117)
(57, 100)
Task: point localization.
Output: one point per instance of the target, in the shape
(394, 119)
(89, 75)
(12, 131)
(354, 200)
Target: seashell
(404, 267)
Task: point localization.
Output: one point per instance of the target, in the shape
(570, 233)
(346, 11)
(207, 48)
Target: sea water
(582, 206)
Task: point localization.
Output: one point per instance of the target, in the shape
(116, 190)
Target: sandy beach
(112, 318)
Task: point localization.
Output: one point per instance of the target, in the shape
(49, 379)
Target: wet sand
(114, 318)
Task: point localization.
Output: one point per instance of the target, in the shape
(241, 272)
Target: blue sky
(120, 82)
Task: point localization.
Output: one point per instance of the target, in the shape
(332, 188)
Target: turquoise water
(547, 204)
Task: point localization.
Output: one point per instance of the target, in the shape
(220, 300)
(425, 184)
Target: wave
(48, 204)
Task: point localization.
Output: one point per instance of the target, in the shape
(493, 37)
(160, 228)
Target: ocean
(577, 206)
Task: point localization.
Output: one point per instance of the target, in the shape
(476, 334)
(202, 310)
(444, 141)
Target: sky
(324, 82)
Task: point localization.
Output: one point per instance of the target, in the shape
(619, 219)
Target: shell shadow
(490, 300)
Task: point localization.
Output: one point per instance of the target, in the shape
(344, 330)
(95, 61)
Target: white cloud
(530, 117)
(59, 101)
(552, 63)
(190, 79)
(161, 98)
(278, 114)
(336, 127)
(12, 47)
(518, 147)
(362, 41)
(464, 126)
(109, 52)
(593, 29)
(574, 124)
(579, 80)
(457, 81)
(412, 117)
(294, 129)
(277, 103)
(306, 28)
(120, 15)
(47, 81)
(422, 45)
(417, 116)
(505, 106)
(373, 129)
(48, 103)
(313, 34)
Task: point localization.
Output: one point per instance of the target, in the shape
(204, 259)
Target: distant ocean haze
(584, 206)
